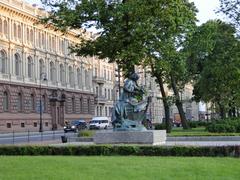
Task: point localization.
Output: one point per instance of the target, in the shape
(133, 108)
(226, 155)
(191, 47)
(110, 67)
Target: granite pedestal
(153, 137)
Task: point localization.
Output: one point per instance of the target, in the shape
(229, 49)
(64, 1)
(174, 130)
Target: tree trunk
(222, 111)
(165, 104)
(179, 104)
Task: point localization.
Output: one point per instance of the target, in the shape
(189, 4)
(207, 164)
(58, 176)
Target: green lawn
(117, 167)
(200, 131)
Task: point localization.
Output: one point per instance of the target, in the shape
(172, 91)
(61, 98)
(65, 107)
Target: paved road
(19, 138)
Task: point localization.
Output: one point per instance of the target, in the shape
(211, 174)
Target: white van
(99, 123)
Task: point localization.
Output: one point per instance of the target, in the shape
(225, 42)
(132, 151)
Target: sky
(206, 9)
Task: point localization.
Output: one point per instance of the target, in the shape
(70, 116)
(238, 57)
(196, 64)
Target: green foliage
(86, 133)
(231, 8)
(225, 126)
(195, 124)
(159, 126)
(107, 150)
(214, 63)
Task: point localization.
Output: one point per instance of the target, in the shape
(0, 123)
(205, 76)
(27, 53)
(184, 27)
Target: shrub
(226, 125)
(125, 150)
(86, 133)
(193, 124)
(160, 126)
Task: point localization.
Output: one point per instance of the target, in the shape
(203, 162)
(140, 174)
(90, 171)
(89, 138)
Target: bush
(225, 125)
(125, 150)
(193, 124)
(86, 133)
(160, 126)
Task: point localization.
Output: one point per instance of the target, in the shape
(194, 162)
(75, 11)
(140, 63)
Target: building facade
(35, 66)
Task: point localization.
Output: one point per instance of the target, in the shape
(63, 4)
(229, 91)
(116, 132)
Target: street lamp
(43, 76)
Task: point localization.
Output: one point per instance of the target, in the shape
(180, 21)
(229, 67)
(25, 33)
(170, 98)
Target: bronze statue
(130, 110)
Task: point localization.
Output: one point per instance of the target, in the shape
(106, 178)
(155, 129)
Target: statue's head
(134, 76)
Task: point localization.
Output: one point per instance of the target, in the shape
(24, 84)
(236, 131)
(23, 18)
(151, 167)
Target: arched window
(15, 30)
(62, 75)
(5, 28)
(79, 77)
(52, 71)
(32, 102)
(5, 101)
(73, 105)
(41, 66)
(71, 81)
(1, 26)
(19, 32)
(17, 64)
(30, 67)
(3, 61)
(19, 102)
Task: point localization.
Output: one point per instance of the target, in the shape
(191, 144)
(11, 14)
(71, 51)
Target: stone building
(35, 62)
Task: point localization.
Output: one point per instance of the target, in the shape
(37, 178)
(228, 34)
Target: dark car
(75, 126)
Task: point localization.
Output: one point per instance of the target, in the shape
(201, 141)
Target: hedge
(108, 150)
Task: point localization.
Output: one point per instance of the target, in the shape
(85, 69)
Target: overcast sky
(206, 9)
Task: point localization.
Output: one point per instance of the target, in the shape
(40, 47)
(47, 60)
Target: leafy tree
(214, 62)
(231, 8)
(130, 32)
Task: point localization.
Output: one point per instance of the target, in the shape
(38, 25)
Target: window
(79, 77)
(20, 102)
(41, 66)
(32, 104)
(52, 71)
(19, 32)
(46, 124)
(62, 74)
(105, 92)
(71, 80)
(86, 79)
(17, 64)
(109, 94)
(14, 30)
(30, 67)
(89, 106)
(106, 111)
(28, 35)
(9, 125)
(97, 92)
(5, 101)
(44, 102)
(31, 36)
(1, 26)
(5, 28)
(3, 61)
(43, 40)
(34, 124)
(22, 125)
(81, 105)
(73, 105)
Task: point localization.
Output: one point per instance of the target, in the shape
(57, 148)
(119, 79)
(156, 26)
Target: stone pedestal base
(153, 137)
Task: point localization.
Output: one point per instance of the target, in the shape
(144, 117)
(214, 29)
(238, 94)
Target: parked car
(99, 123)
(75, 126)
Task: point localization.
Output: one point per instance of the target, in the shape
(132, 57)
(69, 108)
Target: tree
(214, 62)
(231, 8)
(130, 31)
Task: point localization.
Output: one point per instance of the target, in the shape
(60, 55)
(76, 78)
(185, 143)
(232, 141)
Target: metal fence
(34, 137)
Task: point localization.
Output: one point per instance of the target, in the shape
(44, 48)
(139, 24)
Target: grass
(115, 167)
(200, 131)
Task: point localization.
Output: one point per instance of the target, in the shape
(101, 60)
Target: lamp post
(42, 77)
